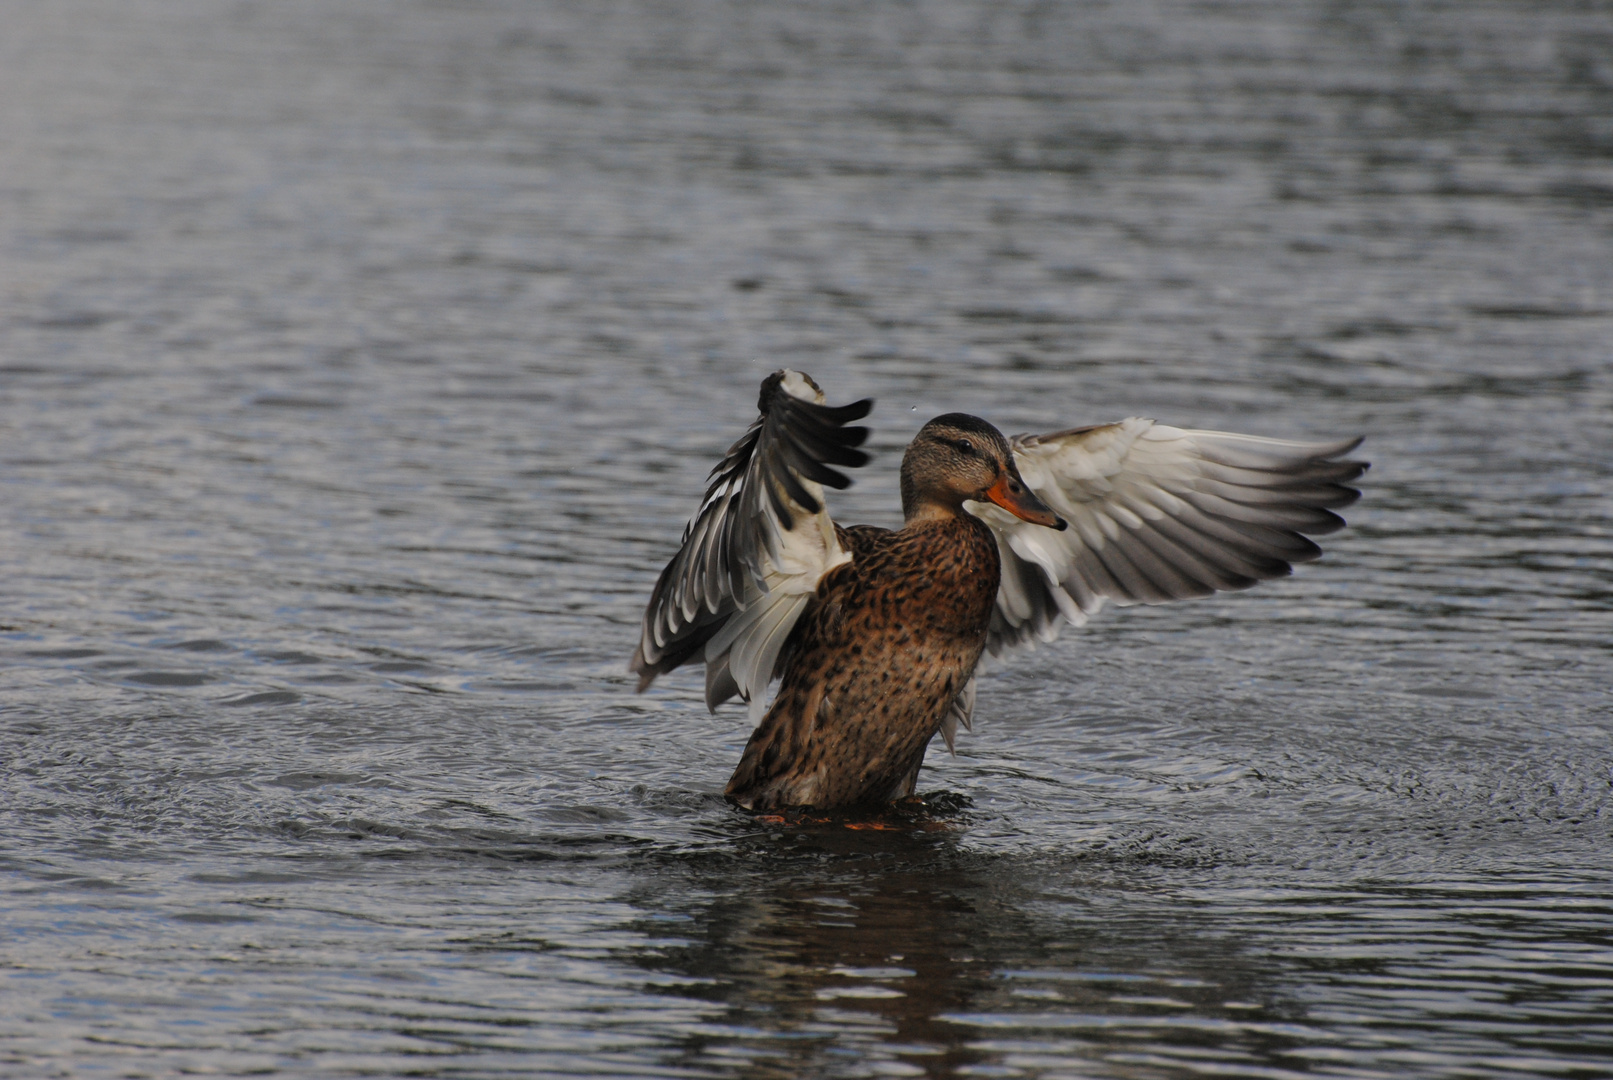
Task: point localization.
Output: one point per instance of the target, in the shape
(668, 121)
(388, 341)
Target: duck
(875, 636)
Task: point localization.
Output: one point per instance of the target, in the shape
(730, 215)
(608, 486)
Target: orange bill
(1010, 493)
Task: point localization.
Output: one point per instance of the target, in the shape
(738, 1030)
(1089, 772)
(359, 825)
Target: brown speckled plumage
(873, 666)
(874, 635)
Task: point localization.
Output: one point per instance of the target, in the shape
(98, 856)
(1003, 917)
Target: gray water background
(360, 363)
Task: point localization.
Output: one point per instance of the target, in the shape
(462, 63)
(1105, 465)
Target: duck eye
(966, 446)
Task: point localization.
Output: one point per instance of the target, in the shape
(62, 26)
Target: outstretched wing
(1158, 514)
(756, 549)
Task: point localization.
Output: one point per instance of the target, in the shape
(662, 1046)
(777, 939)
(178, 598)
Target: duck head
(958, 457)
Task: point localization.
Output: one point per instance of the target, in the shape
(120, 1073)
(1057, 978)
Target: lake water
(360, 364)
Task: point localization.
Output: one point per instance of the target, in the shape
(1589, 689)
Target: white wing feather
(1157, 514)
(758, 546)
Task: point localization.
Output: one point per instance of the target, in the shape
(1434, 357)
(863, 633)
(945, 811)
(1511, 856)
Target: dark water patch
(289, 656)
(201, 645)
(304, 781)
(1012, 315)
(212, 918)
(284, 401)
(1530, 311)
(76, 320)
(403, 667)
(250, 877)
(264, 697)
(168, 678)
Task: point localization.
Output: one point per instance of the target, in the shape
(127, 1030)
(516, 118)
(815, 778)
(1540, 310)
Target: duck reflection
(878, 947)
(894, 947)
(836, 941)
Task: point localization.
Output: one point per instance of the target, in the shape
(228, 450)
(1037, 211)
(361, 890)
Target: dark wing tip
(844, 414)
(1337, 476)
(645, 671)
(810, 438)
(772, 390)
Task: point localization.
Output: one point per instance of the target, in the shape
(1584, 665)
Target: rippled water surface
(360, 363)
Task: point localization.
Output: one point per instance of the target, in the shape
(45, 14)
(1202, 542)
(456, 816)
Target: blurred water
(360, 363)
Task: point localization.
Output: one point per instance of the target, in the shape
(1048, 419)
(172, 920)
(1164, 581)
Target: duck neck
(920, 506)
(928, 511)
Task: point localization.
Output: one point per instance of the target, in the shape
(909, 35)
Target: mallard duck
(875, 634)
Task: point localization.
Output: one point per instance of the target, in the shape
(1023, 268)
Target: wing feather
(959, 714)
(1158, 514)
(755, 550)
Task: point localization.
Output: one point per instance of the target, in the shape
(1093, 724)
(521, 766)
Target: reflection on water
(854, 965)
(910, 954)
(359, 366)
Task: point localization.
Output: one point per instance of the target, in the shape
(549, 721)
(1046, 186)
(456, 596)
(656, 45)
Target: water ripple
(362, 365)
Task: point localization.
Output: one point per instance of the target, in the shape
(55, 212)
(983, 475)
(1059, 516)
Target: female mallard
(876, 634)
